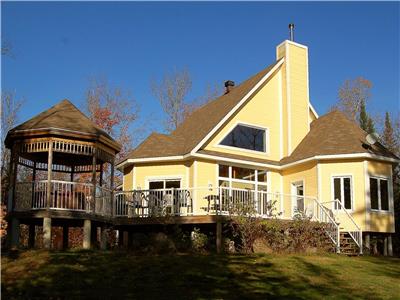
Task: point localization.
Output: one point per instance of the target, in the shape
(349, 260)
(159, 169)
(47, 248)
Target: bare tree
(115, 111)
(9, 116)
(171, 92)
(351, 95)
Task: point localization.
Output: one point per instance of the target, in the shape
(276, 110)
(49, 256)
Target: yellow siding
(381, 221)
(205, 175)
(128, 178)
(275, 186)
(295, 91)
(144, 172)
(356, 170)
(263, 111)
(306, 173)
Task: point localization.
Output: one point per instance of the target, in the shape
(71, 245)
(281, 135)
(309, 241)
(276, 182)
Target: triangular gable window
(246, 137)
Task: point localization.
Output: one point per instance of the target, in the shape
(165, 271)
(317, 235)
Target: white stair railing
(356, 232)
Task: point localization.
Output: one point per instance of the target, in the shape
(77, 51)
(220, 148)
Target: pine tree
(370, 126)
(388, 134)
(363, 118)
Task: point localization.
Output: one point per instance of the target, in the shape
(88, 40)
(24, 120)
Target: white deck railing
(64, 195)
(75, 196)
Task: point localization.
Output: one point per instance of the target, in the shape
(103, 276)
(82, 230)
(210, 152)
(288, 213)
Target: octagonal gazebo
(60, 143)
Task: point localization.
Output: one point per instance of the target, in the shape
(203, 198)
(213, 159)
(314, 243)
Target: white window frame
(379, 209)
(342, 176)
(164, 179)
(255, 182)
(266, 131)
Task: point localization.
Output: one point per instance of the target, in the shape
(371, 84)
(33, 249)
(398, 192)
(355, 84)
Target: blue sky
(58, 47)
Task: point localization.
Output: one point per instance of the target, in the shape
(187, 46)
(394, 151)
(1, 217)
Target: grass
(119, 275)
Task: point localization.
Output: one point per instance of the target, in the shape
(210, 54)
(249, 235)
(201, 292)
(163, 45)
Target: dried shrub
(199, 241)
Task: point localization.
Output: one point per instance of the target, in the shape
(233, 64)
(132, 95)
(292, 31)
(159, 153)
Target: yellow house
(262, 142)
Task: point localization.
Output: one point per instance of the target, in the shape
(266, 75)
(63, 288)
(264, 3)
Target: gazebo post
(47, 220)
(49, 173)
(112, 186)
(94, 162)
(33, 183)
(101, 175)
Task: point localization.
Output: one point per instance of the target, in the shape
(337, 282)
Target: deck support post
(14, 238)
(125, 237)
(219, 237)
(65, 236)
(31, 238)
(390, 245)
(47, 233)
(103, 238)
(87, 228)
(120, 238)
(93, 236)
(385, 246)
(367, 242)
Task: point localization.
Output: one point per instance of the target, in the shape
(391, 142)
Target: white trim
(280, 100)
(308, 89)
(367, 197)
(341, 156)
(237, 106)
(239, 149)
(234, 160)
(288, 100)
(379, 178)
(266, 165)
(313, 110)
(342, 176)
(294, 184)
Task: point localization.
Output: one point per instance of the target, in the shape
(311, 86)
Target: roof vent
(291, 32)
(229, 84)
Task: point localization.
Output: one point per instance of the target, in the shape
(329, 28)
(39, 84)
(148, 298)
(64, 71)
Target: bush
(199, 240)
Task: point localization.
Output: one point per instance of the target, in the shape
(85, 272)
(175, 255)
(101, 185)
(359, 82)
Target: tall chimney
(229, 84)
(291, 32)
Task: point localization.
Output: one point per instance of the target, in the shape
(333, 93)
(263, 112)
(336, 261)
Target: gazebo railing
(64, 195)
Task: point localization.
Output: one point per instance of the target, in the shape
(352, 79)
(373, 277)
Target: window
(246, 137)
(379, 193)
(164, 184)
(242, 178)
(342, 191)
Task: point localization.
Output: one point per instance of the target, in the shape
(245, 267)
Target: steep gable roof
(198, 124)
(334, 134)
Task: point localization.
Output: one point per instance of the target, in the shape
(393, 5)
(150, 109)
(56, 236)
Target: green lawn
(118, 275)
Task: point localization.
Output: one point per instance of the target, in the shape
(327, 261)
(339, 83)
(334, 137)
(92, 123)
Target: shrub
(199, 240)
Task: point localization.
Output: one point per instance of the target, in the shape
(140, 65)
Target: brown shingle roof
(62, 116)
(197, 125)
(334, 134)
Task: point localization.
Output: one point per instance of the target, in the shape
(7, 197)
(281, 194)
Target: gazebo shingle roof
(63, 117)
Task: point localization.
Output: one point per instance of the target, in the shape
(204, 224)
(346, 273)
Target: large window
(246, 137)
(379, 193)
(342, 191)
(242, 178)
